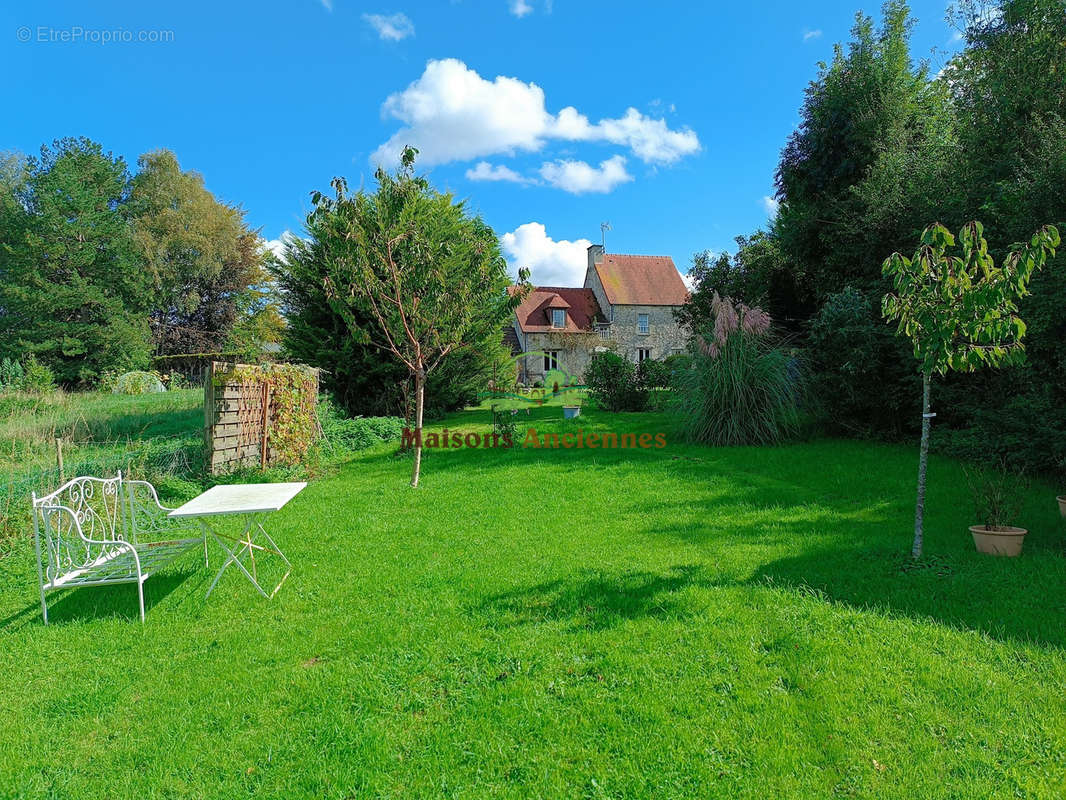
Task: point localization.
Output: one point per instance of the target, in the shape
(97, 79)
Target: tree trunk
(923, 459)
(420, 393)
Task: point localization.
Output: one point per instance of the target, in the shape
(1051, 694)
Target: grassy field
(159, 437)
(674, 622)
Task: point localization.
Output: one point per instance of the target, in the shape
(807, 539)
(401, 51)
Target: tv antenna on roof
(604, 227)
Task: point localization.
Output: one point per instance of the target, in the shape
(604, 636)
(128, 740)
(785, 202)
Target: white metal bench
(98, 531)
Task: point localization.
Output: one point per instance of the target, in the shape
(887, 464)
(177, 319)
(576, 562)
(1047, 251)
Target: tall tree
(206, 266)
(431, 275)
(862, 173)
(73, 293)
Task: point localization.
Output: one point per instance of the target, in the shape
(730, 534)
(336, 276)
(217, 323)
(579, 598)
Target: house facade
(626, 305)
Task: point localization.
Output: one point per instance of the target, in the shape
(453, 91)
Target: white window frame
(557, 315)
(643, 324)
(551, 360)
(605, 332)
(643, 354)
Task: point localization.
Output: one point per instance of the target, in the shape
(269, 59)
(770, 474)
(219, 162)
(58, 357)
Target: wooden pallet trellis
(240, 415)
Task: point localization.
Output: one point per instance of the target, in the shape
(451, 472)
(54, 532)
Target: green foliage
(11, 374)
(748, 391)
(654, 374)
(960, 312)
(37, 378)
(293, 396)
(883, 147)
(355, 372)
(756, 276)
(615, 383)
(206, 266)
(998, 494)
(72, 290)
(138, 382)
(342, 435)
(33, 378)
(853, 356)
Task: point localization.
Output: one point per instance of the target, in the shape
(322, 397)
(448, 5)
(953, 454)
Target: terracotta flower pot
(1062, 504)
(998, 541)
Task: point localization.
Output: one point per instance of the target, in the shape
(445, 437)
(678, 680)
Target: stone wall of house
(663, 338)
(571, 359)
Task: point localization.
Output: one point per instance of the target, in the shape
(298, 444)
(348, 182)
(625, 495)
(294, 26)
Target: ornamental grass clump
(742, 386)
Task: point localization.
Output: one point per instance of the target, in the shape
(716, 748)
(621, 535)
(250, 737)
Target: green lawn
(683, 622)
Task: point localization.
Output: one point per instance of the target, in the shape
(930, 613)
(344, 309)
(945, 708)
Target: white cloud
(451, 113)
(770, 205)
(391, 27)
(551, 263)
(520, 8)
(578, 177)
(484, 171)
(809, 34)
(277, 246)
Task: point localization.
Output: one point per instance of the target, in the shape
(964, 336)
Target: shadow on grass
(594, 600)
(1017, 600)
(118, 601)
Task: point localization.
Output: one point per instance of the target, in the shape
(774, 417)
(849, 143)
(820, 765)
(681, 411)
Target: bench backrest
(70, 523)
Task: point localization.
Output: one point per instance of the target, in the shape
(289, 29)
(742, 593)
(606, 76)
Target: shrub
(860, 370)
(11, 374)
(36, 377)
(341, 434)
(653, 374)
(137, 382)
(741, 386)
(615, 383)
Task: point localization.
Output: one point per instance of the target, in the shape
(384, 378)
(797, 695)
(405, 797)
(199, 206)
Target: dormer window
(558, 317)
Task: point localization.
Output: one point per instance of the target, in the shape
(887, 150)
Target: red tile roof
(581, 309)
(641, 280)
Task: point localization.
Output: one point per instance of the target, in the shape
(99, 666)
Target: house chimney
(595, 254)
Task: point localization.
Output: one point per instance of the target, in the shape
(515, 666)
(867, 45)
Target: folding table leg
(247, 545)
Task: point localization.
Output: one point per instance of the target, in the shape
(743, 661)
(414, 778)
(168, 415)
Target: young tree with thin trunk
(960, 312)
(431, 274)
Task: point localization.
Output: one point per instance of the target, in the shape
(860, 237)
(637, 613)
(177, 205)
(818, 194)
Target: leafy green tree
(73, 292)
(206, 266)
(960, 312)
(1007, 88)
(363, 382)
(431, 275)
(755, 275)
(862, 173)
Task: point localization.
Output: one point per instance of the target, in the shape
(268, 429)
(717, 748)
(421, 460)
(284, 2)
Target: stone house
(626, 305)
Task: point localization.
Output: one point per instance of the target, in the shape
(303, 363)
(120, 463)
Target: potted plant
(572, 409)
(997, 497)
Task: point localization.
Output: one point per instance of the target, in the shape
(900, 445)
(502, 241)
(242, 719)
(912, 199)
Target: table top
(240, 498)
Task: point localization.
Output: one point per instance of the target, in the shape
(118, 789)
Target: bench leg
(44, 607)
(140, 596)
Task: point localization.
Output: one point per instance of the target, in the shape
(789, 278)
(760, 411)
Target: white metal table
(252, 501)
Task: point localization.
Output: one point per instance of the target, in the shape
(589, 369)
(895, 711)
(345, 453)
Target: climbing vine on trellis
(289, 395)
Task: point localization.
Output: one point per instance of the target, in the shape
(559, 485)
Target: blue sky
(664, 118)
